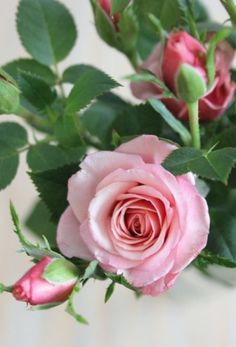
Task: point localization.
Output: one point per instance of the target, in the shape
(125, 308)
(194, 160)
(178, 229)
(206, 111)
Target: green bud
(128, 30)
(9, 93)
(190, 84)
(104, 25)
(60, 271)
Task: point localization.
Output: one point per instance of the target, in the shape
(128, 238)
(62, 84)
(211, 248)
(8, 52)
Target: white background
(196, 312)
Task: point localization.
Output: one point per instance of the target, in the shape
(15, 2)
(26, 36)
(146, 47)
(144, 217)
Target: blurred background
(197, 312)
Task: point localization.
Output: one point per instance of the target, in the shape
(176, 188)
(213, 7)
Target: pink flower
(133, 216)
(35, 290)
(181, 48)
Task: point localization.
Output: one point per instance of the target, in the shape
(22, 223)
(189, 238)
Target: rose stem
(194, 124)
(230, 7)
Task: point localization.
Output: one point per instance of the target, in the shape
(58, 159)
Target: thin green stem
(230, 7)
(193, 110)
(31, 119)
(4, 288)
(59, 81)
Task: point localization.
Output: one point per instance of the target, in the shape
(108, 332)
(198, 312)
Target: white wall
(196, 312)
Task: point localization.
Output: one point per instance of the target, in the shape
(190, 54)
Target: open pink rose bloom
(133, 216)
(164, 63)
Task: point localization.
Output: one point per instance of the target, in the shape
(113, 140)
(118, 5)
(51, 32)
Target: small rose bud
(9, 94)
(190, 85)
(49, 281)
(106, 6)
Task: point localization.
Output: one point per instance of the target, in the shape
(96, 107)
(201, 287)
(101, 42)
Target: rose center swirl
(137, 222)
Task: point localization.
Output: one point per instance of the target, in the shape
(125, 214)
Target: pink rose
(181, 48)
(133, 216)
(35, 290)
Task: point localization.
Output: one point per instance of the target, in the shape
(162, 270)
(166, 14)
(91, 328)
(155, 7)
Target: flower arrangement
(129, 193)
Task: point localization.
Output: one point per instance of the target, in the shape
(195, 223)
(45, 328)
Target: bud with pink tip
(49, 281)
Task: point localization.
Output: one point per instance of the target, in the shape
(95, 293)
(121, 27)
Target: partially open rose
(181, 48)
(133, 216)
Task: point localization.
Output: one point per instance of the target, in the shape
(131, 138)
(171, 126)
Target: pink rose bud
(49, 281)
(133, 216)
(106, 6)
(181, 48)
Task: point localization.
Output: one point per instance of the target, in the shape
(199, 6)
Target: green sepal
(120, 279)
(104, 25)
(36, 251)
(190, 84)
(210, 63)
(90, 270)
(60, 271)
(109, 291)
(174, 123)
(9, 94)
(118, 5)
(45, 307)
(128, 30)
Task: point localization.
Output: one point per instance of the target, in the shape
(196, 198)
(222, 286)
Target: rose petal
(69, 240)
(149, 147)
(82, 185)
(195, 233)
(108, 260)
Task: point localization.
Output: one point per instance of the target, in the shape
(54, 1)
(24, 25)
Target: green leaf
(98, 119)
(47, 30)
(222, 237)
(227, 138)
(175, 124)
(147, 76)
(207, 258)
(109, 291)
(12, 138)
(42, 156)
(71, 308)
(60, 271)
(38, 221)
(32, 67)
(210, 63)
(68, 131)
(89, 86)
(74, 72)
(35, 251)
(138, 120)
(36, 91)
(120, 279)
(52, 188)
(118, 5)
(104, 25)
(214, 165)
